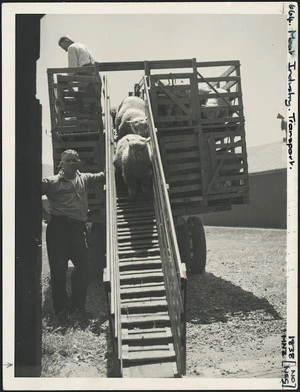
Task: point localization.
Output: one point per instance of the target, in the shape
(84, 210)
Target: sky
(258, 41)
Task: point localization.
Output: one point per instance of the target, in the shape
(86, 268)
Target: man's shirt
(67, 198)
(79, 55)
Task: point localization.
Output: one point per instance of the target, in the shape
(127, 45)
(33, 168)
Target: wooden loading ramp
(147, 342)
(144, 279)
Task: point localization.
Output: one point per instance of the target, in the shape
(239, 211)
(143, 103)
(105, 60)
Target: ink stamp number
(289, 365)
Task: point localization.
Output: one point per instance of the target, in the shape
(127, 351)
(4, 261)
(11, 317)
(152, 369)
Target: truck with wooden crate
(199, 166)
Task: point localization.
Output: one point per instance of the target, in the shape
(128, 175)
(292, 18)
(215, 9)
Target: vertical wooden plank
(52, 99)
(147, 69)
(244, 151)
(163, 154)
(198, 129)
(28, 220)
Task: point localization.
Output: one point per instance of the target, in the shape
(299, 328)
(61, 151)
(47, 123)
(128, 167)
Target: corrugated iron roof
(267, 157)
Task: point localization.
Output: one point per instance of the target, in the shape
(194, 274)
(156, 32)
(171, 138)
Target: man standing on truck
(66, 234)
(78, 54)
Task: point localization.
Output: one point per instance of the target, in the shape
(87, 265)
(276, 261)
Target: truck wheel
(183, 240)
(197, 234)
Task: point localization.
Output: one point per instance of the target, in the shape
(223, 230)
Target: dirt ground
(236, 312)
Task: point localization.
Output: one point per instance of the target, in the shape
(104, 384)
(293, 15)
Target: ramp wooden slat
(137, 252)
(145, 277)
(139, 264)
(147, 336)
(132, 320)
(137, 243)
(145, 323)
(143, 290)
(129, 235)
(153, 370)
(144, 305)
(137, 223)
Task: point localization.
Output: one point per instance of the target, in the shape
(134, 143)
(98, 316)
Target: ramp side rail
(174, 270)
(111, 272)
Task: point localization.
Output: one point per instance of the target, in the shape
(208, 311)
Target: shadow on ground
(219, 300)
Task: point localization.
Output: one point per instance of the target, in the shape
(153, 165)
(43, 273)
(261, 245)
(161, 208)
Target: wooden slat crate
(75, 103)
(203, 148)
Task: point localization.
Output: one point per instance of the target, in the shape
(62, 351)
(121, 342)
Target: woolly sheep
(225, 172)
(131, 117)
(218, 101)
(133, 158)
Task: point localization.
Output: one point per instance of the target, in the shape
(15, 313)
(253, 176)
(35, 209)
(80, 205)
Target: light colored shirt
(68, 199)
(79, 55)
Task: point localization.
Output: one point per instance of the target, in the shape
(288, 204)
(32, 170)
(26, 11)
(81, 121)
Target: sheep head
(138, 148)
(139, 126)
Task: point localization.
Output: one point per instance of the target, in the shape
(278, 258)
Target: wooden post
(28, 201)
(198, 128)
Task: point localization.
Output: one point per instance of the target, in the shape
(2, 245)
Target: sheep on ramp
(131, 117)
(133, 158)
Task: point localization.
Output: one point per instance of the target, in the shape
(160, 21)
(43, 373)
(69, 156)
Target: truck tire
(183, 240)
(197, 233)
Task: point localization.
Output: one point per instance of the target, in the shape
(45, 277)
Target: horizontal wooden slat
(139, 291)
(223, 120)
(144, 303)
(185, 188)
(232, 167)
(125, 238)
(184, 177)
(141, 275)
(226, 196)
(158, 355)
(177, 117)
(203, 64)
(223, 134)
(163, 102)
(238, 143)
(142, 319)
(164, 130)
(158, 90)
(222, 107)
(174, 168)
(231, 190)
(224, 95)
(176, 200)
(184, 145)
(177, 75)
(146, 335)
(178, 138)
(148, 264)
(135, 243)
(77, 78)
(182, 155)
(140, 65)
(220, 79)
(134, 223)
(241, 176)
(150, 370)
(230, 156)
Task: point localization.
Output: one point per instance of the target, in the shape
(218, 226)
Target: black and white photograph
(150, 196)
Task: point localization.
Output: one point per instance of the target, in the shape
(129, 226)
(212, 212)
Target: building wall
(267, 208)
